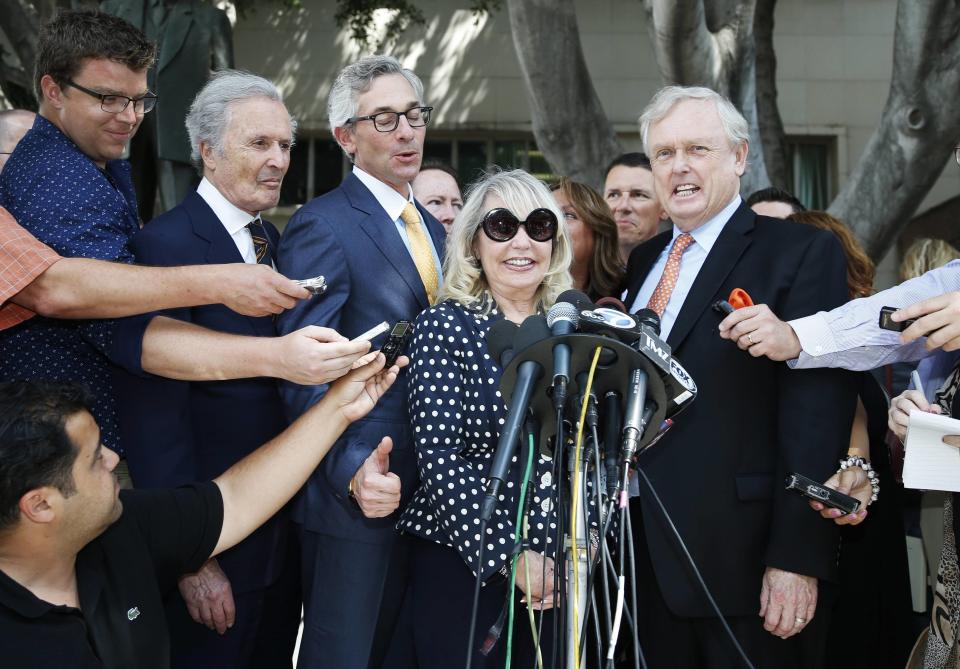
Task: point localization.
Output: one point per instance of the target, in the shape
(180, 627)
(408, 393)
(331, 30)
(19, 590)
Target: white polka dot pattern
(60, 196)
(456, 413)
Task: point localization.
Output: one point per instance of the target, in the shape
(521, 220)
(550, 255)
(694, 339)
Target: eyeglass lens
(501, 225)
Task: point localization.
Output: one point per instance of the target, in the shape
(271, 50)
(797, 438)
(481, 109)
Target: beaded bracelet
(857, 461)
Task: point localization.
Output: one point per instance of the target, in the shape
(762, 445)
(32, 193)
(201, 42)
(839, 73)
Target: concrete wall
(834, 59)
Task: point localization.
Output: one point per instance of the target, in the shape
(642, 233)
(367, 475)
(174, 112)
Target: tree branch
(920, 122)
(768, 112)
(569, 123)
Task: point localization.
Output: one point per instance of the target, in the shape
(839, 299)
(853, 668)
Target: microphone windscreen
(576, 298)
(612, 303)
(533, 329)
(650, 318)
(563, 311)
(500, 338)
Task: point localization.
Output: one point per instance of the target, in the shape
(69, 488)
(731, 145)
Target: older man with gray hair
(719, 472)
(380, 252)
(246, 601)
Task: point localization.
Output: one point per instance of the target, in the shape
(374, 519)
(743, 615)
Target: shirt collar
(231, 216)
(706, 235)
(18, 598)
(391, 201)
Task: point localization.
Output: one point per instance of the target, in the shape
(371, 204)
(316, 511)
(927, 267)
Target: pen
(916, 382)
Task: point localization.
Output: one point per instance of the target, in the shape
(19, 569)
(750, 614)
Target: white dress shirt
(232, 217)
(393, 203)
(850, 335)
(704, 237)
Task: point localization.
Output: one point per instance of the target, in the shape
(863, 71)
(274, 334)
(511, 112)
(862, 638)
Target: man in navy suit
(241, 135)
(380, 252)
(766, 558)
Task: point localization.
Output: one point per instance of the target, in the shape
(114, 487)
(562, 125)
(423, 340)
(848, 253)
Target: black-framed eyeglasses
(501, 225)
(387, 121)
(956, 154)
(114, 104)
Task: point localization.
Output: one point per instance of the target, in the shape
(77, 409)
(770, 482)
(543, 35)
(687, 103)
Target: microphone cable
(574, 506)
(696, 571)
(518, 543)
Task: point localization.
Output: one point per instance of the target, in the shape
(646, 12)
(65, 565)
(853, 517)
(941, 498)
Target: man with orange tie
(720, 470)
(380, 253)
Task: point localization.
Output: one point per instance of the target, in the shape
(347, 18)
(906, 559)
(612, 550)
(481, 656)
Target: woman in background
(596, 268)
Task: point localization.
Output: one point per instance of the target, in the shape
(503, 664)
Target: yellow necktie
(421, 251)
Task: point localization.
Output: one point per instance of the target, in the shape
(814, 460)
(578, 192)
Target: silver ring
(750, 338)
(801, 621)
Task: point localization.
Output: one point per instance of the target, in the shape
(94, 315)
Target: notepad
(931, 464)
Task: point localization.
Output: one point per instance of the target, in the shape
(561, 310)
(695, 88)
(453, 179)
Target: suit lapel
(221, 249)
(726, 252)
(641, 262)
(383, 233)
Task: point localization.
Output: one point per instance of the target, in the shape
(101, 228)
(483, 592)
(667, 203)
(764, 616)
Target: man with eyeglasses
(380, 252)
(66, 185)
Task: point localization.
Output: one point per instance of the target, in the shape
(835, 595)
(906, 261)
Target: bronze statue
(194, 39)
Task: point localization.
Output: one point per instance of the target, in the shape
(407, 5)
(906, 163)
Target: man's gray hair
(734, 125)
(209, 114)
(356, 78)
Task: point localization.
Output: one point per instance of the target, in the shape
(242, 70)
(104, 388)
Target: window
(811, 169)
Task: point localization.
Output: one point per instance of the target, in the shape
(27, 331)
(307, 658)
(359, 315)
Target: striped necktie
(668, 280)
(261, 247)
(421, 251)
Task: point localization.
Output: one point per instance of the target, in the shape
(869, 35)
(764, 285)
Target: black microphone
(650, 318)
(576, 298)
(611, 439)
(533, 329)
(500, 341)
(562, 319)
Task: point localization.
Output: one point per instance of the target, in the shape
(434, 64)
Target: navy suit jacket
(181, 431)
(346, 236)
(720, 469)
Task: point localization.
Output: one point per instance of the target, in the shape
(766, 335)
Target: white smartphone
(373, 332)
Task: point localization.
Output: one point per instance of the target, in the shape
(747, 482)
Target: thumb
(382, 455)
(321, 334)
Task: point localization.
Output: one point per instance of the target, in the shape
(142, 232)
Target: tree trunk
(768, 111)
(918, 129)
(569, 123)
(690, 53)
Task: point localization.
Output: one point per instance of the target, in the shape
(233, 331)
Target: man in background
(628, 190)
(437, 188)
(774, 202)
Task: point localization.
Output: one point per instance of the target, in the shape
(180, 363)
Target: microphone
(634, 422)
(611, 440)
(649, 318)
(500, 341)
(562, 319)
(533, 329)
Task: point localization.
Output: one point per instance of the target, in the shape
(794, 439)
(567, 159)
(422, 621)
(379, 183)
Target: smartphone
(373, 332)
(889, 324)
(317, 285)
(393, 347)
(821, 493)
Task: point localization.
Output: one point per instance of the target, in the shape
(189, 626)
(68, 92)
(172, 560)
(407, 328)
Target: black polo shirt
(122, 577)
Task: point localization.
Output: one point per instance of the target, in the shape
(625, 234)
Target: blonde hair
(463, 278)
(925, 254)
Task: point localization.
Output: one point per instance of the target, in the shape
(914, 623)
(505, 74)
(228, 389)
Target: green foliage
(358, 16)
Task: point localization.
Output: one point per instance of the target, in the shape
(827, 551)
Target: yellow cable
(574, 508)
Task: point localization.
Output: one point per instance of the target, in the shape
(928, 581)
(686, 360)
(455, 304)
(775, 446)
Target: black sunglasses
(501, 226)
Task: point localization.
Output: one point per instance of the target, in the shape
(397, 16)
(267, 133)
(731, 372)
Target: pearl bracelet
(857, 461)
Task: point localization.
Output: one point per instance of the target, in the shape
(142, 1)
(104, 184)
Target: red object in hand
(739, 298)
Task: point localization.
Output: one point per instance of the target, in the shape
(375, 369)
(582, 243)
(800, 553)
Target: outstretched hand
(937, 318)
(758, 331)
(358, 392)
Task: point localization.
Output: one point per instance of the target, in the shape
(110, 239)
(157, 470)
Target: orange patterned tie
(421, 251)
(668, 280)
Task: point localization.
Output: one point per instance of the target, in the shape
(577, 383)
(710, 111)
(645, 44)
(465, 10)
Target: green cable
(513, 566)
